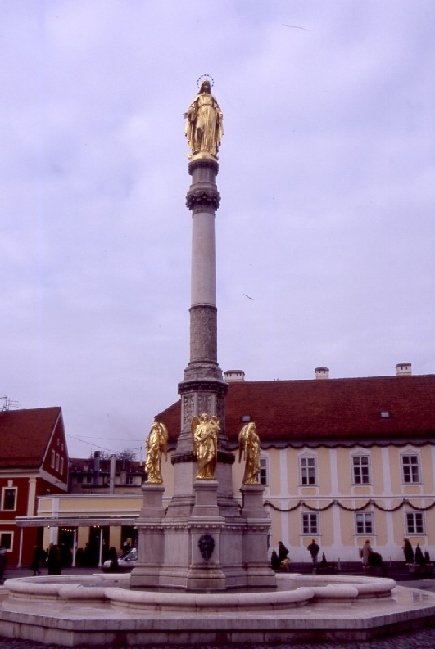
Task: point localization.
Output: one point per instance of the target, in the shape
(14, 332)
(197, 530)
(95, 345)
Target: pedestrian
(365, 553)
(419, 556)
(37, 560)
(3, 560)
(313, 549)
(53, 560)
(274, 561)
(283, 556)
(408, 551)
(376, 562)
(113, 556)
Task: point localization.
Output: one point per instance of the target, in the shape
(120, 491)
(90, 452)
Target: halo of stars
(205, 76)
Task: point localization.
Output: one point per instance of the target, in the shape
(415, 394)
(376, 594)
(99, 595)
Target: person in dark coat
(313, 549)
(274, 561)
(3, 561)
(113, 556)
(283, 556)
(53, 560)
(282, 551)
(419, 556)
(408, 551)
(38, 560)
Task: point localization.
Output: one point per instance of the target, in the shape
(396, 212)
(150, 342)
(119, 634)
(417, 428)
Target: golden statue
(204, 126)
(157, 444)
(205, 433)
(250, 450)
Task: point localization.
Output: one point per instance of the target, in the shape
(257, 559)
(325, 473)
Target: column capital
(203, 199)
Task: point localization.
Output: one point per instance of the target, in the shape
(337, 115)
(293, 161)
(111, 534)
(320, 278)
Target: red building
(33, 462)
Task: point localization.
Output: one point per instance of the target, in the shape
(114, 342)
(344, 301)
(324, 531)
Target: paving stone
(424, 639)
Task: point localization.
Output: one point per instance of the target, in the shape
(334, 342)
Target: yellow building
(343, 460)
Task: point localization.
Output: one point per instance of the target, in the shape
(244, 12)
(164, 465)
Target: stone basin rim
(293, 590)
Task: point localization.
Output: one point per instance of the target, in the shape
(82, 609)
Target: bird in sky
(248, 296)
(295, 27)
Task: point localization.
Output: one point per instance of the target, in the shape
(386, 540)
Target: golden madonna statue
(205, 433)
(250, 451)
(157, 444)
(204, 126)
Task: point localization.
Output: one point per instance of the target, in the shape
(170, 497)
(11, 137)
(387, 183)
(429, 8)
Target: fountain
(203, 576)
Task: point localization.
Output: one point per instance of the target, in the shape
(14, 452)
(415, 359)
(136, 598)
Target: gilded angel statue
(204, 126)
(157, 445)
(250, 451)
(205, 433)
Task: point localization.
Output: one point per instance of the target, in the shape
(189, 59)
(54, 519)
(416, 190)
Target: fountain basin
(84, 611)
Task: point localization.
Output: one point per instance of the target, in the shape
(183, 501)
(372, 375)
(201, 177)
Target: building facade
(33, 463)
(343, 460)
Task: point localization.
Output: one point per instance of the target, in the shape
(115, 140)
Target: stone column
(203, 388)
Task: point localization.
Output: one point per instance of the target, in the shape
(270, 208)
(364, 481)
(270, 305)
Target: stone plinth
(151, 553)
(205, 526)
(255, 538)
(152, 503)
(252, 501)
(205, 498)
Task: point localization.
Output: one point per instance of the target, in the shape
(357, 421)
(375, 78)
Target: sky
(326, 177)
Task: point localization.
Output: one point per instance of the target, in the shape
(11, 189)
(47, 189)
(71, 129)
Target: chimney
(112, 473)
(322, 372)
(96, 473)
(403, 369)
(231, 376)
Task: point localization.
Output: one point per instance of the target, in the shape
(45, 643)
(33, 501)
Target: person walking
(408, 551)
(283, 556)
(274, 561)
(365, 554)
(3, 552)
(37, 560)
(53, 560)
(419, 556)
(313, 549)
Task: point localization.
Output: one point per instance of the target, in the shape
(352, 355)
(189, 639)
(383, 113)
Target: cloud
(326, 173)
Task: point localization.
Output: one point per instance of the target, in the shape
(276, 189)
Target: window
(53, 458)
(410, 469)
(264, 471)
(310, 523)
(57, 461)
(9, 498)
(364, 522)
(415, 523)
(361, 469)
(308, 470)
(6, 540)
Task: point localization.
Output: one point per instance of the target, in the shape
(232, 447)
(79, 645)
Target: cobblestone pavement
(417, 640)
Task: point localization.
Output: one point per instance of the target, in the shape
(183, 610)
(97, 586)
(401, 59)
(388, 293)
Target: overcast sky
(327, 197)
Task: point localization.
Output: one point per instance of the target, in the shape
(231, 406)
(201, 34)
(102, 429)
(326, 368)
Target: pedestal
(255, 538)
(205, 526)
(151, 538)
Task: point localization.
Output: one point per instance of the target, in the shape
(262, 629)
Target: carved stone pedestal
(205, 525)
(150, 538)
(255, 538)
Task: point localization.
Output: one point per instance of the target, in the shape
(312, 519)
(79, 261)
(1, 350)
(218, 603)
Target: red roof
(383, 409)
(24, 435)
